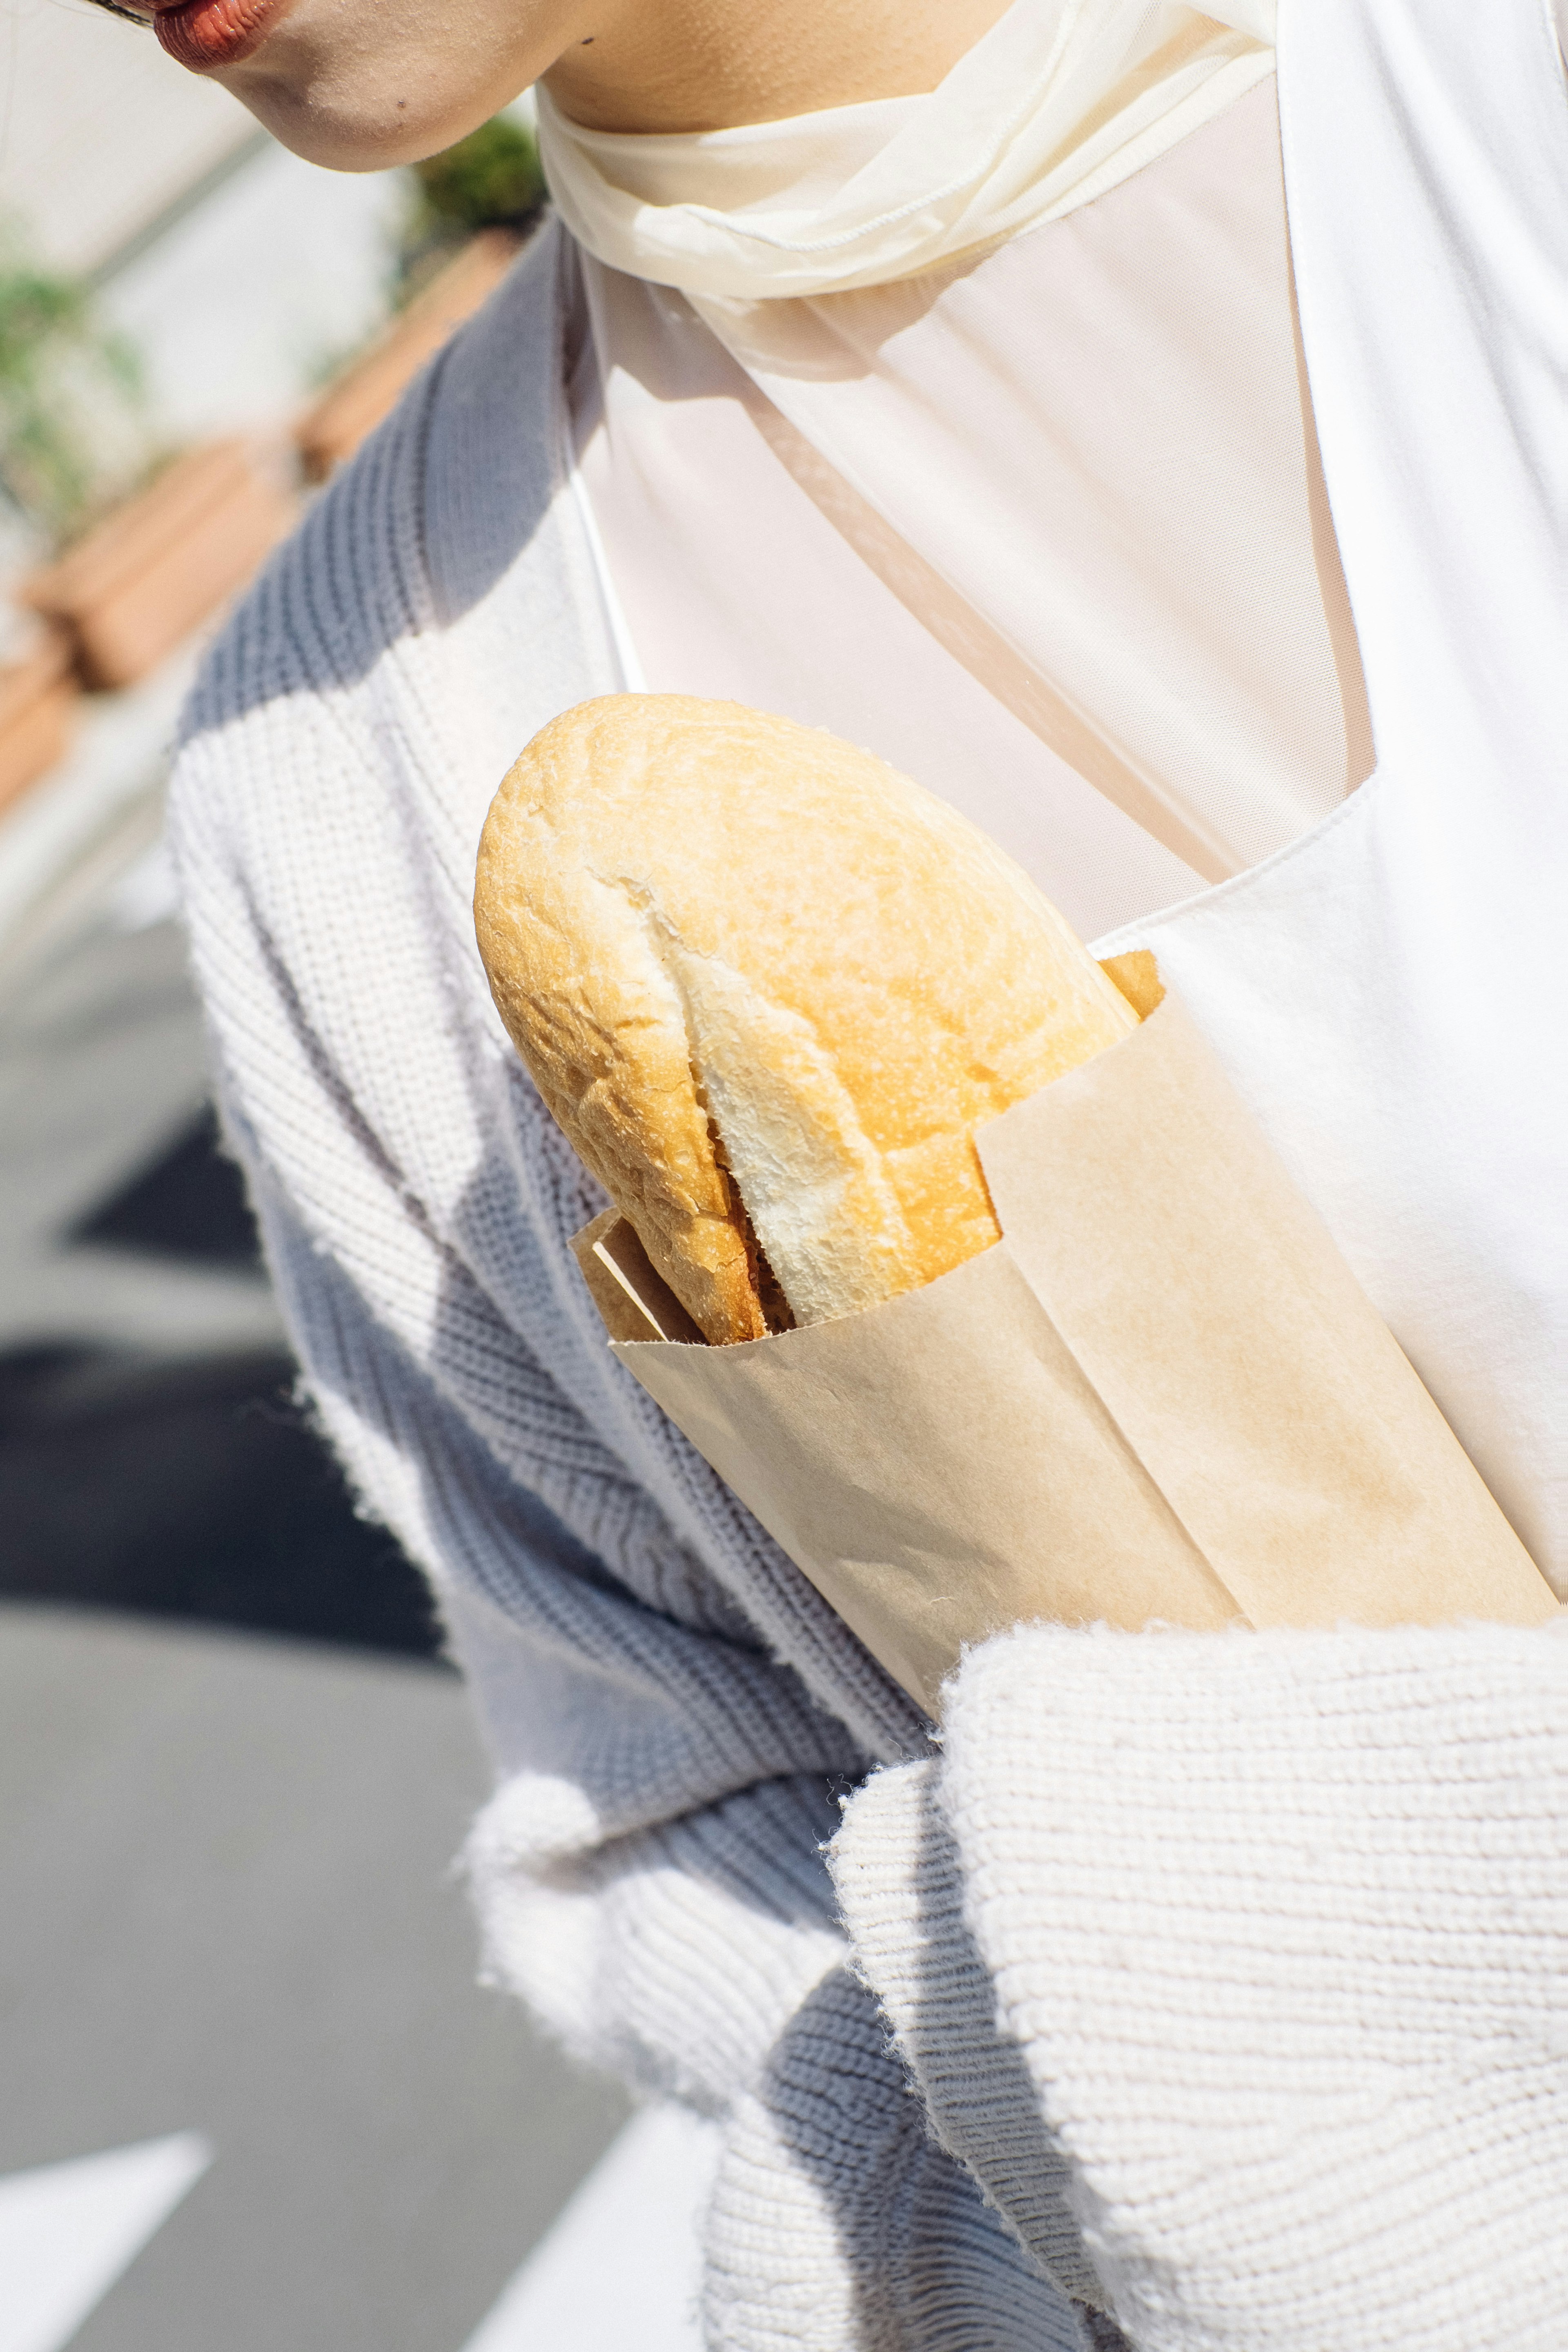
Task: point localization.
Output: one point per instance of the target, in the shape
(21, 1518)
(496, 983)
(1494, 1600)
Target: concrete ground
(233, 1778)
(224, 1876)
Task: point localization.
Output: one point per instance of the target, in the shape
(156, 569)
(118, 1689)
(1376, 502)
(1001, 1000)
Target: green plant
(69, 398)
(490, 180)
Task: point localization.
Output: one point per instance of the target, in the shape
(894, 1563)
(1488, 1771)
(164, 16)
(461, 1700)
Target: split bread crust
(769, 987)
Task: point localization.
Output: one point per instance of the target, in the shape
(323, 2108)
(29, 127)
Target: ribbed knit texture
(1275, 1924)
(669, 1704)
(901, 1881)
(841, 2225)
(1243, 1955)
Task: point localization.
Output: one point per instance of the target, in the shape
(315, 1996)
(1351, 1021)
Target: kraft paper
(1161, 1397)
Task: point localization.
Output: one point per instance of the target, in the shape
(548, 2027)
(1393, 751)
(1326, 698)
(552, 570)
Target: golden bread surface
(741, 957)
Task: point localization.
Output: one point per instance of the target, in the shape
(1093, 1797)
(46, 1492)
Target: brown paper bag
(1161, 1397)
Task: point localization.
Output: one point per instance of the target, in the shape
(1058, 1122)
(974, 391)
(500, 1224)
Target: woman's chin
(361, 84)
(346, 123)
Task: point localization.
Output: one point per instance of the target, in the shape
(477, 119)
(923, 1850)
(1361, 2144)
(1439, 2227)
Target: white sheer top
(1045, 527)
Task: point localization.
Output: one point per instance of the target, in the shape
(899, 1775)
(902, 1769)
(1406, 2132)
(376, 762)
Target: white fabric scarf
(1059, 101)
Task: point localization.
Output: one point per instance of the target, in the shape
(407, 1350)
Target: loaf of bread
(769, 987)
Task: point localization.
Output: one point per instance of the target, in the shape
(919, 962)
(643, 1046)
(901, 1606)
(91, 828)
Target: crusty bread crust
(768, 985)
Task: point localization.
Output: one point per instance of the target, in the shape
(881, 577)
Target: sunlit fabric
(1048, 531)
(1057, 104)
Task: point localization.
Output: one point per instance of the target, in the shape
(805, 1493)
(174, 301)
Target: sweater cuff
(900, 1887)
(837, 2223)
(1275, 1922)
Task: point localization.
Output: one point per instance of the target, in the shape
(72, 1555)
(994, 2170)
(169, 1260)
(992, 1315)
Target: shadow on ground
(188, 1487)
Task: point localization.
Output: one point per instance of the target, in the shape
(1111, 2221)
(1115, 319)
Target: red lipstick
(202, 34)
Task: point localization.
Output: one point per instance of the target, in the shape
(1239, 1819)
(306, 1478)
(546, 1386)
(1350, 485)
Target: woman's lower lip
(202, 34)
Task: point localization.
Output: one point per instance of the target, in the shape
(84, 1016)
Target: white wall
(241, 275)
(242, 306)
(246, 291)
(98, 129)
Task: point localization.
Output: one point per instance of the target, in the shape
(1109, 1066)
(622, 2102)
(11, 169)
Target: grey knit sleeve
(839, 2223)
(658, 1767)
(671, 1709)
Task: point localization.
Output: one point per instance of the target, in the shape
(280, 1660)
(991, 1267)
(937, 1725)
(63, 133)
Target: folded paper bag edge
(896, 1456)
(634, 1302)
(1291, 1604)
(1322, 1445)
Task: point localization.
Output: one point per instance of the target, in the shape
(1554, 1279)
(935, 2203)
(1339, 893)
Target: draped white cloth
(1059, 101)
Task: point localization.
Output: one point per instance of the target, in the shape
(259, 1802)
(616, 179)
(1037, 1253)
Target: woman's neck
(708, 65)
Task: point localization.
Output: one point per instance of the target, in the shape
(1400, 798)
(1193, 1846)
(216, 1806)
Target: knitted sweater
(1220, 1968)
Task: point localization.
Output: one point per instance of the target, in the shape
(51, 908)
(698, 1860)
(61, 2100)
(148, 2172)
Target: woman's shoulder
(354, 717)
(436, 511)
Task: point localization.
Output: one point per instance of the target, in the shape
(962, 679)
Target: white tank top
(1385, 990)
(1378, 972)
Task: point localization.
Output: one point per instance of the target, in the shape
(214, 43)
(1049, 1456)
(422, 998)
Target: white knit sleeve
(684, 1936)
(671, 1709)
(1273, 1932)
(839, 2224)
(648, 1873)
